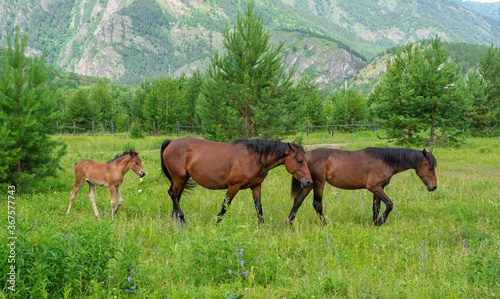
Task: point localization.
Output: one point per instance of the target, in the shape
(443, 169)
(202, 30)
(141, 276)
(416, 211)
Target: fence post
(202, 129)
(154, 129)
(127, 127)
(177, 128)
(329, 127)
(105, 128)
(373, 126)
(57, 127)
(93, 127)
(307, 126)
(74, 128)
(352, 125)
(112, 130)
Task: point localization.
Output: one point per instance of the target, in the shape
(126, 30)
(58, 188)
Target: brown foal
(109, 175)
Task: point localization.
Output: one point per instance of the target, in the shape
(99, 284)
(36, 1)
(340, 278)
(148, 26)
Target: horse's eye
(431, 168)
(301, 161)
(136, 163)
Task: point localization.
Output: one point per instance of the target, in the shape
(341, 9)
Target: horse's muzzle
(141, 174)
(431, 188)
(305, 184)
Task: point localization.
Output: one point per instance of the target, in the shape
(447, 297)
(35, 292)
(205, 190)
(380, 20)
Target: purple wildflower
(242, 263)
(129, 278)
(230, 272)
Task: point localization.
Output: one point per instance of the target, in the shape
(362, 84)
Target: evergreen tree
(163, 104)
(490, 71)
(312, 101)
(347, 105)
(79, 111)
(417, 96)
(27, 116)
(248, 93)
(101, 102)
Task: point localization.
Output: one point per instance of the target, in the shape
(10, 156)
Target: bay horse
(109, 174)
(370, 168)
(240, 164)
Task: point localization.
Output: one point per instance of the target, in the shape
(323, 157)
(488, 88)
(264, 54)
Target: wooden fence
(155, 130)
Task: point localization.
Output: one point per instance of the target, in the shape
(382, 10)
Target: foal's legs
(92, 199)
(297, 202)
(79, 182)
(258, 203)
(379, 195)
(112, 194)
(231, 192)
(119, 198)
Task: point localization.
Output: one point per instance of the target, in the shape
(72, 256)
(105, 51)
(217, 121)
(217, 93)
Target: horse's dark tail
(295, 188)
(190, 184)
(163, 166)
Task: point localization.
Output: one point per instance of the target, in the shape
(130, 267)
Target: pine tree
(490, 72)
(248, 92)
(417, 96)
(27, 116)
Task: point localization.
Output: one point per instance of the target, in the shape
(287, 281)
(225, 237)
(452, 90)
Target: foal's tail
(295, 188)
(163, 166)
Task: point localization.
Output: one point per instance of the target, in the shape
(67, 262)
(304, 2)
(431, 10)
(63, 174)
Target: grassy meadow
(441, 244)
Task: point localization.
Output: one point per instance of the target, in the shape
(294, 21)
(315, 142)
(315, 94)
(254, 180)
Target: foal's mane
(266, 147)
(403, 157)
(122, 155)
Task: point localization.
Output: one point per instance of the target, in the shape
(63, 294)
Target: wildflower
(230, 272)
(242, 263)
(244, 273)
(129, 278)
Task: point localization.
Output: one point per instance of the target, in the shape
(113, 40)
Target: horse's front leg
(258, 202)
(380, 194)
(297, 202)
(119, 199)
(318, 200)
(112, 194)
(231, 192)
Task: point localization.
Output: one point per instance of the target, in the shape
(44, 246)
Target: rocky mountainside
(130, 40)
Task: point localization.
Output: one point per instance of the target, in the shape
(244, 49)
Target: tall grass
(444, 243)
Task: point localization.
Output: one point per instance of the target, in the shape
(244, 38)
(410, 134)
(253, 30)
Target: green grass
(437, 244)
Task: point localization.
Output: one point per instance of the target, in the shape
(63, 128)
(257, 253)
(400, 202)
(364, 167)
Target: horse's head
(136, 164)
(295, 163)
(426, 170)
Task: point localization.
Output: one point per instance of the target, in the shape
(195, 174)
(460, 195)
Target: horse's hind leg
(175, 193)
(79, 182)
(92, 199)
(376, 207)
(112, 194)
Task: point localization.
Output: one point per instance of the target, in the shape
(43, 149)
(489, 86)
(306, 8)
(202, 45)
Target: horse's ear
(293, 146)
(425, 153)
(430, 150)
(132, 153)
(295, 141)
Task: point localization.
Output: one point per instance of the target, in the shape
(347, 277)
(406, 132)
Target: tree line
(245, 93)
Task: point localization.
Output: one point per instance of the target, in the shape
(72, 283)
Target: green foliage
(347, 105)
(313, 99)
(417, 95)
(136, 132)
(80, 110)
(27, 116)
(490, 72)
(440, 244)
(248, 93)
(72, 261)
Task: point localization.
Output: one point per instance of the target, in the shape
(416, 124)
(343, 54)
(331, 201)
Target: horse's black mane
(122, 155)
(403, 157)
(266, 147)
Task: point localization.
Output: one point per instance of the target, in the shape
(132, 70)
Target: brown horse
(370, 168)
(109, 175)
(236, 165)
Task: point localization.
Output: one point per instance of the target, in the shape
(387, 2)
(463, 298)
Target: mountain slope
(129, 40)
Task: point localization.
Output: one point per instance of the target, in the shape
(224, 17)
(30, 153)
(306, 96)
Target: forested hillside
(131, 40)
